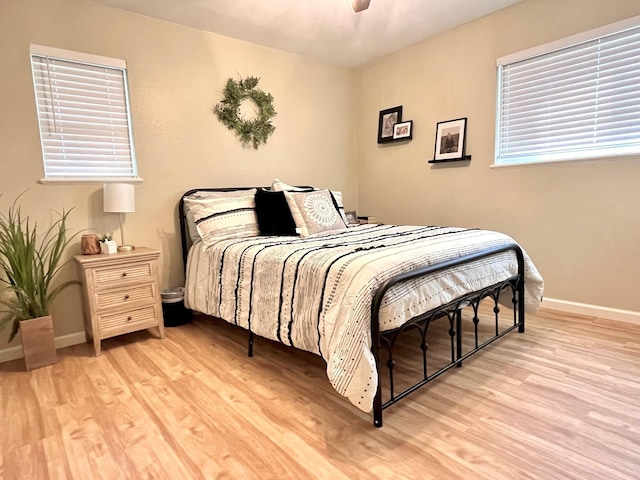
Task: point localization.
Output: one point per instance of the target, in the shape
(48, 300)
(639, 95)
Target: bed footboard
(451, 311)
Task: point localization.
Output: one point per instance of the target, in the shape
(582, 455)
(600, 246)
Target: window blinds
(83, 114)
(572, 103)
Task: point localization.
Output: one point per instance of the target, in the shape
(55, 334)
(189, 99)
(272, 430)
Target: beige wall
(175, 76)
(579, 222)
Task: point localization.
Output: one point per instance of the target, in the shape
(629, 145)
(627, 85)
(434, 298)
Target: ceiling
(323, 29)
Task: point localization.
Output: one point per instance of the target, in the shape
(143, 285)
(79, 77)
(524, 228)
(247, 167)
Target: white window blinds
(580, 101)
(83, 114)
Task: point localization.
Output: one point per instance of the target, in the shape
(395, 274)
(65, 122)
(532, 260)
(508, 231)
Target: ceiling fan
(359, 5)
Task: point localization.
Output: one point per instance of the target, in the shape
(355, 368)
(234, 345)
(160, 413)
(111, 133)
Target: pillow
(280, 186)
(204, 197)
(314, 212)
(225, 216)
(338, 200)
(274, 216)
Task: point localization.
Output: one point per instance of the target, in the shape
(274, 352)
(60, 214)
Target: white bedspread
(315, 293)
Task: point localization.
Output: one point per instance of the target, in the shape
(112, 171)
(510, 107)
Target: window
(83, 115)
(573, 99)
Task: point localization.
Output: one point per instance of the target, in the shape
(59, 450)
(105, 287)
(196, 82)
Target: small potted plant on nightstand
(107, 244)
(29, 263)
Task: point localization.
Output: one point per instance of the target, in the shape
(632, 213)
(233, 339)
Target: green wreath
(250, 131)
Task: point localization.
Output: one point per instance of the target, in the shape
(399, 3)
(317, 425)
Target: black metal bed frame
(452, 311)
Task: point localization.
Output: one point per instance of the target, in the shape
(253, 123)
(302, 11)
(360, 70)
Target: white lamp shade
(119, 197)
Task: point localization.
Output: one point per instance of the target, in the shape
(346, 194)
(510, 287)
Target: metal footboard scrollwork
(384, 342)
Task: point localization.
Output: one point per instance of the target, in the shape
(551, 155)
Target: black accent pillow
(274, 216)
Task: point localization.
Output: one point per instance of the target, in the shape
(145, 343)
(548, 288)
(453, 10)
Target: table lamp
(120, 198)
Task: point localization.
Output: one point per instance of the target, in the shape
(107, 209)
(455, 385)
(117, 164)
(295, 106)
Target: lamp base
(126, 248)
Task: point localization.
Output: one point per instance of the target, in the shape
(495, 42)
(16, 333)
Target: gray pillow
(314, 212)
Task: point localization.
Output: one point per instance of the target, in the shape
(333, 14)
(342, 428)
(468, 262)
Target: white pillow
(217, 215)
(280, 186)
(314, 212)
(338, 196)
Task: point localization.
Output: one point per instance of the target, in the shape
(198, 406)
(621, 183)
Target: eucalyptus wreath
(250, 131)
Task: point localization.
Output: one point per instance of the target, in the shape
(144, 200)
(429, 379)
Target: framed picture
(352, 217)
(403, 130)
(450, 139)
(387, 119)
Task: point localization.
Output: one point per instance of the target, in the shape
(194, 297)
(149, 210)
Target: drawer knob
(129, 318)
(124, 274)
(126, 297)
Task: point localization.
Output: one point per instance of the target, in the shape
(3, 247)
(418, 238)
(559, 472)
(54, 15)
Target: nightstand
(121, 293)
(367, 219)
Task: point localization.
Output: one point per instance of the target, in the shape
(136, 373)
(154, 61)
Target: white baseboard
(628, 316)
(13, 353)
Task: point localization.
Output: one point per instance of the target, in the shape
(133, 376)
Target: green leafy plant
(30, 264)
(250, 131)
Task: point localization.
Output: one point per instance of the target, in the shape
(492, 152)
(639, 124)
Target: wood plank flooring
(561, 401)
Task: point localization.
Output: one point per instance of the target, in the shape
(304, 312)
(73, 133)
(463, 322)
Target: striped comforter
(315, 293)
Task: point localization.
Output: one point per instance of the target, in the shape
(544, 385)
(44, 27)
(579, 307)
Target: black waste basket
(173, 309)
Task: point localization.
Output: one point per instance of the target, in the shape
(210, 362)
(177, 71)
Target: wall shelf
(461, 159)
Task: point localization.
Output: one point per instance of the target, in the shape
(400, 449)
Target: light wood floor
(561, 401)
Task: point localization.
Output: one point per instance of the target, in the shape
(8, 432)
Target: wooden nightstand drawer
(125, 296)
(117, 323)
(131, 272)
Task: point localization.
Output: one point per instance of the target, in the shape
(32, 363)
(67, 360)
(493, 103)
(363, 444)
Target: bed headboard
(182, 218)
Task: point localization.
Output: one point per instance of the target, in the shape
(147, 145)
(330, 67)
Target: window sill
(557, 162)
(89, 181)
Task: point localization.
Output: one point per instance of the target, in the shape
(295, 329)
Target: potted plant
(107, 244)
(29, 264)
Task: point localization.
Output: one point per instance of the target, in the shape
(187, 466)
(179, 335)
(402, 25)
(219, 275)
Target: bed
(347, 292)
